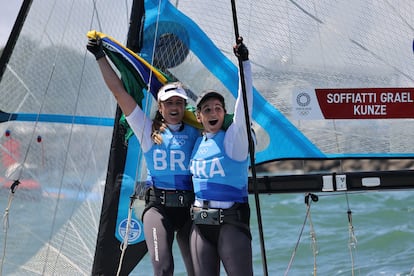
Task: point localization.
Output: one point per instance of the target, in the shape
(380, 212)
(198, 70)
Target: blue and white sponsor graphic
(135, 233)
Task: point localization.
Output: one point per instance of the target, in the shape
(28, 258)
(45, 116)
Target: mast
(107, 253)
(14, 35)
(251, 145)
(136, 26)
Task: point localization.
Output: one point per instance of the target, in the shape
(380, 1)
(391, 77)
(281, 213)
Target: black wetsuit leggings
(160, 225)
(227, 242)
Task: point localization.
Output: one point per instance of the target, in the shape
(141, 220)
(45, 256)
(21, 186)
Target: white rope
(352, 240)
(6, 227)
(313, 244)
(20, 168)
(147, 108)
(124, 244)
(308, 205)
(138, 191)
(70, 133)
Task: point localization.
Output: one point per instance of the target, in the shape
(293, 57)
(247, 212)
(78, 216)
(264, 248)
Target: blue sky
(8, 12)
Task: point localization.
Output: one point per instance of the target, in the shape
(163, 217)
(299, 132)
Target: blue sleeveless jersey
(168, 163)
(215, 175)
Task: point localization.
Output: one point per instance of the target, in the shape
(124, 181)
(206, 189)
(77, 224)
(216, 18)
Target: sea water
(362, 233)
(376, 239)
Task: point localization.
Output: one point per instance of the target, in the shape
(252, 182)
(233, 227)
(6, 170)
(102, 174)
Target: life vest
(168, 163)
(215, 175)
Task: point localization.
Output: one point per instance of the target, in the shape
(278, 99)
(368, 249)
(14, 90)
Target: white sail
(53, 218)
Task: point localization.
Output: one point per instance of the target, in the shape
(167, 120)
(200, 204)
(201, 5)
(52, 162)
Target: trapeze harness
(177, 198)
(217, 201)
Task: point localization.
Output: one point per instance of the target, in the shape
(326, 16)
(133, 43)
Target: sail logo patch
(135, 230)
(305, 105)
(303, 99)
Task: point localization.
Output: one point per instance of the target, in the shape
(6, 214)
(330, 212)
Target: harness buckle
(162, 197)
(203, 214)
(207, 216)
(181, 199)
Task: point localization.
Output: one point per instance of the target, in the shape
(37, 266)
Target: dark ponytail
(158, 127)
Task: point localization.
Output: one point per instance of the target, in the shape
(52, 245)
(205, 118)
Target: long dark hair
(158, 127)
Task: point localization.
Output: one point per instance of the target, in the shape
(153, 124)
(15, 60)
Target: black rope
(13, 187)
(251, 144)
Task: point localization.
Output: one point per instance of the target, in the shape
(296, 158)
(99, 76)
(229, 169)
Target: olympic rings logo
(303, 99)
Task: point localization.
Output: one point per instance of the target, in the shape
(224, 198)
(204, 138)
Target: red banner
(366, 103)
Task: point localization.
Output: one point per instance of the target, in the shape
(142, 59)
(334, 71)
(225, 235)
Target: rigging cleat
(314, 198)
(13, 187)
